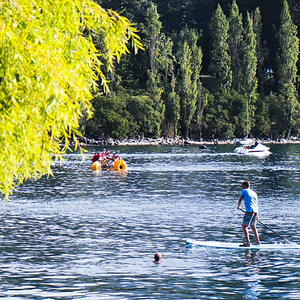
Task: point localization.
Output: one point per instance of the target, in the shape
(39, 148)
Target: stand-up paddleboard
(227, 245)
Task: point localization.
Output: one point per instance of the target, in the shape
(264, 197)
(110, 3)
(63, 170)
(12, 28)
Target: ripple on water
(92, 235)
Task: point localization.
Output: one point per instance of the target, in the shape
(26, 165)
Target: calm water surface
(92, 235)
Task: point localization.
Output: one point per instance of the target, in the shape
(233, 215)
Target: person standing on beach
(251, 213)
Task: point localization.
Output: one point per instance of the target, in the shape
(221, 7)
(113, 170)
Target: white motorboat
(256, 149)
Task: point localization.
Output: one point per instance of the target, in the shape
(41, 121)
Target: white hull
(253, 149)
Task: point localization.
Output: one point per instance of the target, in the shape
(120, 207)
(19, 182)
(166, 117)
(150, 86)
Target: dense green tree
(152, 28)
(154, 45)
(173, 15)
(218, 107)
(131, 73)
(111, 118)
(123, 116)
(172, 112)
(274, 102)
(261, 51)
(234, 41)
(134, 10)
(201, 104)
(144, 116)
(249, 68)
(179, 13)
(287, 67)
(220, 62)
(189, 57)
(229, 108)
(238, 111)
(261, 125)
(169, 95)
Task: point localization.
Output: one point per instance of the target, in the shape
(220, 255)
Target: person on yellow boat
(96, 157)
(111, 158)
(106, 159)
(116, 156)
(100, 156)
(104, 153)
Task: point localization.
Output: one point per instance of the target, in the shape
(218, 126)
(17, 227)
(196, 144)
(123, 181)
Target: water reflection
(252, 257)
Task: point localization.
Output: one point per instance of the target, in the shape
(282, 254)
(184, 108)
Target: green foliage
(261, 51)
(234, 61)
(261, 125)
(218, 108)
(249, 67)
(296, 127)
(229, 108)
(203, 96)
(123, 116)
(234, 41)
(169, 96)
(153, 40)
(287, 67)
(172, 112)
(189, 57)
(152, 32)
(110, 117)
(276, 115)
(48, 67)
(146, 118)
(220, 61)
(249, 60)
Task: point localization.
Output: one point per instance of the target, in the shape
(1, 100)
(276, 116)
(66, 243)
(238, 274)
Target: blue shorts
(250, 217)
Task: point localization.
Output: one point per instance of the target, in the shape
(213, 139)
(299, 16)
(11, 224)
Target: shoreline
(85, 141)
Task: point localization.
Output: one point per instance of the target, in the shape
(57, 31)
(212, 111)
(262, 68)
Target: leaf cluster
(49, 67)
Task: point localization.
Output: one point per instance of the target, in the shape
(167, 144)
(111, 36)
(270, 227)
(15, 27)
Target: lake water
(92, 235)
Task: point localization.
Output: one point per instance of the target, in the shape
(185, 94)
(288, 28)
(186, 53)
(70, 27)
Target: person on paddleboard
(251, 213)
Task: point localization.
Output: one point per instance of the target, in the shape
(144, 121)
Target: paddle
(271, 230)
